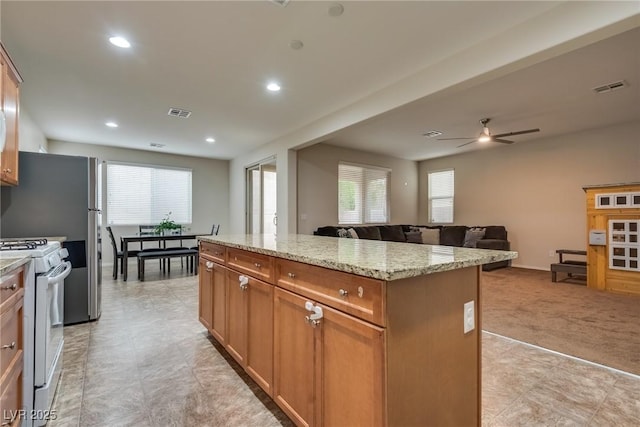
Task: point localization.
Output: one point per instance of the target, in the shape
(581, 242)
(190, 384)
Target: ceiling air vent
(282, 3)
(179, 112)
(609, 87)
(432, 134)
(156, 145)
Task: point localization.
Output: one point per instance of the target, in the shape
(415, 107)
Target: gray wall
(318, 185)
(210, 183)
(534, 188)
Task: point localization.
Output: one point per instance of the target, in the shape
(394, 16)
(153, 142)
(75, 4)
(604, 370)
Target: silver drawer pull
(9, 346)
(10, 288)
(291, 275)
(343, 293)
(257, 264)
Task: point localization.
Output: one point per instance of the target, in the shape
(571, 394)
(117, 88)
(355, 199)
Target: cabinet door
(219, 304)
(259, 358)
(351, 370)
(293, 364)
(10, 107)
(236, 342)
(205, 299)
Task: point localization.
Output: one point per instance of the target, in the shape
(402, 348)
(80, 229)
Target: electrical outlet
(552, 253)
(469, 317)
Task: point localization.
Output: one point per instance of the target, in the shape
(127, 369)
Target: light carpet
(597, 326)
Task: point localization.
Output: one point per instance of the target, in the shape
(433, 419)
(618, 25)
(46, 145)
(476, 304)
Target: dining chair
(150, 230)
(117, 255)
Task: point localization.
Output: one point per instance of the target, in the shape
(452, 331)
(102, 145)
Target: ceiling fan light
(484, 138)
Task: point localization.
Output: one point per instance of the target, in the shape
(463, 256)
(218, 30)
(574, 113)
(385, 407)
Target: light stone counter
(371, 258)
(7, 264)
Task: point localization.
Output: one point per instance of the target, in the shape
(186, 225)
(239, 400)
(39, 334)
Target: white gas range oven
(43, 324)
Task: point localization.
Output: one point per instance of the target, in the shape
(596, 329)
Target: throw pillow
(472, 236)
(430, 236)
(392, 233)
(413, 236)
(353, 233)
(343, 232)
(368, 233)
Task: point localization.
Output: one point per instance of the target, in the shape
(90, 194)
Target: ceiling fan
(486, 135)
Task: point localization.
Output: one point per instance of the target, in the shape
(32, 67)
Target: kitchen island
(350, 332)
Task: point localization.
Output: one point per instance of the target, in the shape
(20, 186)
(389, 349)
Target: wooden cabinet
(250, 326)
(11, 344)
(294, 359)
(205, 293)
(212, 299)
(337, 349)
(10, 105)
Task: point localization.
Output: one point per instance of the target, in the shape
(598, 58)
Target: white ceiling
(215, 57)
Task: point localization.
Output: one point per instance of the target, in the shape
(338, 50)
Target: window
(138, 194)
(363, 195)
(441, 196)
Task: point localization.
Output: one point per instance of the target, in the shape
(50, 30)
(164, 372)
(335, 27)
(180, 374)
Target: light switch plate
(469, 317)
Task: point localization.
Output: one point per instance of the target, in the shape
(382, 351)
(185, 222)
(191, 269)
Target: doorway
(262, 198)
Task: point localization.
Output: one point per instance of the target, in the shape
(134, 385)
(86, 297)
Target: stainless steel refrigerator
(60, 196)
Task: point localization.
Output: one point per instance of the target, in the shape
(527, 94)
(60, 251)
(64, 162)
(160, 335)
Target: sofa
(482, 237)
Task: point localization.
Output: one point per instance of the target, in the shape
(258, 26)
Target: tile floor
(149, 362)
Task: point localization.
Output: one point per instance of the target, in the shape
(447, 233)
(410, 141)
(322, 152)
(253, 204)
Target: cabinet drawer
(10, 286)
(251, 263)
(356, 295)
(213, 252)
(11, 337)
(11, 393)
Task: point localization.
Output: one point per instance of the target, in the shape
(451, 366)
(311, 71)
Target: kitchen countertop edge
(8, 264)
(402, 263)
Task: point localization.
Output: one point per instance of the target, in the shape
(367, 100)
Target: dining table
(149, 237)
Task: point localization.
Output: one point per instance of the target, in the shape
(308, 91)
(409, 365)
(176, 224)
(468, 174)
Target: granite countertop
(371, 258)
(8, 264)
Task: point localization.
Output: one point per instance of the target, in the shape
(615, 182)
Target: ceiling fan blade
(466, 143)
(520, 132)
(447, 139)
(504, 141)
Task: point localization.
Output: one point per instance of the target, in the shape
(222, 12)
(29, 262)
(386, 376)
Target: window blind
(140, 194)
(441, 193)
(363, 195)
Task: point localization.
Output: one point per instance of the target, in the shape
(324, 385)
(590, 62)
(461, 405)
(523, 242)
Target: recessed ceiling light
(120, 42)
(273, 87)
(210, 140)
(111, 124)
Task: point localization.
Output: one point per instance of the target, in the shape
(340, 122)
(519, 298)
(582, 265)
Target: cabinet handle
(209, 264)
(10, 288)
(7, 171)
(257, 264)
(9, 346)
(291, 275)
(343, 293)
(244, 281)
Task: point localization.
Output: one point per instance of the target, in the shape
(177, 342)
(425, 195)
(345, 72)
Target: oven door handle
(63, 275)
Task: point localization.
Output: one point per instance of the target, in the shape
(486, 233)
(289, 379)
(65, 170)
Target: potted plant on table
(167, 226)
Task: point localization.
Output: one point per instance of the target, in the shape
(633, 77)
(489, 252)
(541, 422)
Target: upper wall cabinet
(10, 111)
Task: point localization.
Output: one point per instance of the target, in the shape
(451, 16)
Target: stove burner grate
(21, 245)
